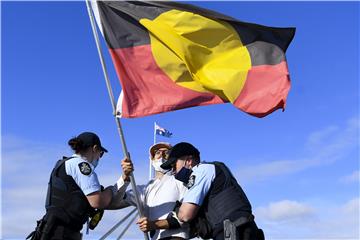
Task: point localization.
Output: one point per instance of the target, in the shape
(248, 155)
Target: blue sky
(299, 168)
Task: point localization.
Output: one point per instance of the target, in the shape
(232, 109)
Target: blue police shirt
(199, 183)
(83, 173)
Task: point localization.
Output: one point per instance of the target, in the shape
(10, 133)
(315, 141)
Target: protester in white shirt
(159, 196)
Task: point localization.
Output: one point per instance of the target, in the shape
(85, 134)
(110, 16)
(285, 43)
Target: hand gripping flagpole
(117, 120)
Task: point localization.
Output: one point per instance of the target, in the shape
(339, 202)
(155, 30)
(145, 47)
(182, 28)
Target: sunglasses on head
(163, 152)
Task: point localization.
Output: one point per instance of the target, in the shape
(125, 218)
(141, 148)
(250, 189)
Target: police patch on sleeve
(85, 168)
(191, 181)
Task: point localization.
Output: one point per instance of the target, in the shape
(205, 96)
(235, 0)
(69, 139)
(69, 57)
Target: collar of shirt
(195, 167)
(79, 156)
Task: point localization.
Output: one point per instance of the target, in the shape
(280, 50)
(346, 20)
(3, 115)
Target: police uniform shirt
(199, 183)
(83, 173)
(159, 197)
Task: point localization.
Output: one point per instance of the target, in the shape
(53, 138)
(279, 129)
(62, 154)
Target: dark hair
(196, 158)
(77, 145)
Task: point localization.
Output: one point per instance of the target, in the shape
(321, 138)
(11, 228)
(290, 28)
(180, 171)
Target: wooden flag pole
(117, 120)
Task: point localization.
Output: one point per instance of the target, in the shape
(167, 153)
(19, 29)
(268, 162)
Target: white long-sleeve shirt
(158, 198)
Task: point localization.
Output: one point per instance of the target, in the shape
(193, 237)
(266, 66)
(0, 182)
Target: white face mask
(157, 163)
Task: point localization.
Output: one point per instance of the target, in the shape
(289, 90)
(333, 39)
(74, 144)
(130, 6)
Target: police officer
(214, 197)
(74, 191)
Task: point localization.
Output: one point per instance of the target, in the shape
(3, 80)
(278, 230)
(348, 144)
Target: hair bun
(76, 144)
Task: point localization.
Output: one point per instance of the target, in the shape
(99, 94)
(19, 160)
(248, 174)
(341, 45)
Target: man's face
(161, 153)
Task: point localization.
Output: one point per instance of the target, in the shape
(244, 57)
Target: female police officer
(74, 190)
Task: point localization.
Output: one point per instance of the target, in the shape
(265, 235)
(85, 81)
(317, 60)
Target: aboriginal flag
(170, 56)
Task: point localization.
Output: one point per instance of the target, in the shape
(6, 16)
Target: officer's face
(182, 162)
(98, 153)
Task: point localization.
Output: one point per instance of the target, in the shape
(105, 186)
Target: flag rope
(117, 120)
(118, 224)
(127, 227)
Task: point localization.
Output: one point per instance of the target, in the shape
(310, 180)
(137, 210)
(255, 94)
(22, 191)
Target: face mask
(183, 175)
(157, 163)
(95, 162)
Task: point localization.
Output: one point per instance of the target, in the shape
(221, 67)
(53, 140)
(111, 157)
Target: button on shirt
(199, 184)
(88, 183)
(158, 198)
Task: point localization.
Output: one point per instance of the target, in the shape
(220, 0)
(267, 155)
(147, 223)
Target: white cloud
(287, 219)
(324, 147)
(285, 210)
(351, 207)
(272, 168)
(334, 146)
(351, 178)
(316, 138)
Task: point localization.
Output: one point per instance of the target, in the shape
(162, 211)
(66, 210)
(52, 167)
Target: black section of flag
(250, 33)
(120, 20)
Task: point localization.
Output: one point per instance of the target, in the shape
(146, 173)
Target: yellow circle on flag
(199, 53)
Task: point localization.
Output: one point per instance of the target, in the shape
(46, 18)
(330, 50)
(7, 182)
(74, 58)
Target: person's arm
(100, 200)
(146, 225)
(121, 199)
(171, 222)
(187, 211)
(103, 199)
(202, 179)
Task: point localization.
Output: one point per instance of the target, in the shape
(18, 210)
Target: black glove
(177, 207)
(152, 233)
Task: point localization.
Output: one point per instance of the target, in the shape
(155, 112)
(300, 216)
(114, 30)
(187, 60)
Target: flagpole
(154, 133)
(117, 120)
(150, 167)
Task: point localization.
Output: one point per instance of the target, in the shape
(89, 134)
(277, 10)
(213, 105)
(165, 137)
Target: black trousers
(172, 238)
(60, 232)
(248, 231)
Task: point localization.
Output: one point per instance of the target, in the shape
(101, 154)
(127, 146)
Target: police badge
(191, 181)
(85, 168)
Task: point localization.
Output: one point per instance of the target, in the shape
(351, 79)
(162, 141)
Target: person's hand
(127, 168)
(145, 224)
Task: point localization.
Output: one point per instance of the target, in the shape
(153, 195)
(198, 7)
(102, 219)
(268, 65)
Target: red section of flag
(265, 89)
(148, 90)
(151, 91)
